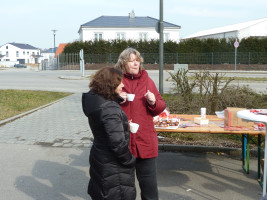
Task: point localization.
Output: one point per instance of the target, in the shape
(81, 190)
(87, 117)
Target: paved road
(43, 80)
(71, 81)
(36, 172)
(44, 155)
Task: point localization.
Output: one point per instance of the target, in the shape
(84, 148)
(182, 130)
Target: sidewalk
(44, 155)
(59, 125)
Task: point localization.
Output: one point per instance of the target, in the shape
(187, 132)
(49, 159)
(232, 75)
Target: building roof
(23, 46)
(50, 50)
(125, 22)
(224, 29)
(60, 48)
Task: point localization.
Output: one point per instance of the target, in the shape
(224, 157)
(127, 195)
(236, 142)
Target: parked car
(20, 66)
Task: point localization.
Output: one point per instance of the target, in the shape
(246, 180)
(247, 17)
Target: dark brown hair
(105, 81)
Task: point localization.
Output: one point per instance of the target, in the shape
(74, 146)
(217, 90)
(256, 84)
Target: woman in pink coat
(146, 104)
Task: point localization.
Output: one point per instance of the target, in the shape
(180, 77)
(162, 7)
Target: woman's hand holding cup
(124, 96)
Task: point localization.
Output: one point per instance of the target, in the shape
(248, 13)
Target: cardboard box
(231, 119)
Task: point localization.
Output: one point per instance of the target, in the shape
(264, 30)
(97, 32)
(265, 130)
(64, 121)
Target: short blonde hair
(125, 57)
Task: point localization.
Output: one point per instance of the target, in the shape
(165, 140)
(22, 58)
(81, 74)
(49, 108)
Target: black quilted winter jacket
(111, 162)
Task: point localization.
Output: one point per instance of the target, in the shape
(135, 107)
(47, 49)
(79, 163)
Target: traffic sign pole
(235, 57)
(236, 44)
(161, 48)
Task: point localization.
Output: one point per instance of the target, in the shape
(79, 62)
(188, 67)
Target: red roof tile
(60, 48)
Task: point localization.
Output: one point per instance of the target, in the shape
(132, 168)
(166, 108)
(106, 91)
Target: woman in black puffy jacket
(111, 162)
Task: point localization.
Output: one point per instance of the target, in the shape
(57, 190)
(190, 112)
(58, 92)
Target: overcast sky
(31, 21)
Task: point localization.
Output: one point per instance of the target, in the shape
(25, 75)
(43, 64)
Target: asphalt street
(72, 81)
(44, 153)
(41, 172)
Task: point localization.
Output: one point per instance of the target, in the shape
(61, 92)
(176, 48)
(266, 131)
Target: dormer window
(132, 14)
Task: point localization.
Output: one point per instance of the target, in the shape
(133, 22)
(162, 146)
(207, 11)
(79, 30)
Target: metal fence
(49, 64)
(67, 61)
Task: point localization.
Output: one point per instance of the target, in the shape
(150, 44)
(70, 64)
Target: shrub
(212, 91)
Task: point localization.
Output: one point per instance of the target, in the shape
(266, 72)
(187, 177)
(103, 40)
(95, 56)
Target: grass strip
(14, 102)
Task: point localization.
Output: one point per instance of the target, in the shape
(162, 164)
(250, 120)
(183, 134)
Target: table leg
(259, 157)
(247, 136)
(245, 153)
(243, 150)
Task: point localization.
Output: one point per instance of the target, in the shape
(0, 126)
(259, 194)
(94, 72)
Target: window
(0, 52)
(98, 36)
(17, 53)
(166, 37)
(142, 36)
(28, 53)
(7, 54)
(24, 53)
(33, 53)
(6, 47)
(120, 36)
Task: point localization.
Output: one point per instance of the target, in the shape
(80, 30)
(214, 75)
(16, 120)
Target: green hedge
(251, 44)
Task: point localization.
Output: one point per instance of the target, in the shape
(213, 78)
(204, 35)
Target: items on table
(259, 127)
(163, 120)
(259, 111)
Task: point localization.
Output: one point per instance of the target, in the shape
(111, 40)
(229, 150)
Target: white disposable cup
(203, 112)
(134, 127)
(130, 97)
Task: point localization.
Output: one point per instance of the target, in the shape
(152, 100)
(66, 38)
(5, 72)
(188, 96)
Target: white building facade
(255, 28)
(127, 28)
(48, 59)
(48, 54)
(19, 53)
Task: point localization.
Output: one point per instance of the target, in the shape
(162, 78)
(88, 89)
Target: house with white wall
(127, 28)
(48, 59)
(19, 53)
(254, 28)
(48, 54)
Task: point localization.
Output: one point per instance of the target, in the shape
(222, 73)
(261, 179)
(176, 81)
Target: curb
(5, 121)
(204, 149)
(74, 77)
(220, 71)
(233, 71)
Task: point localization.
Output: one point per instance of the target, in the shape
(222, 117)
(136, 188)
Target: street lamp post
(54, 32)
